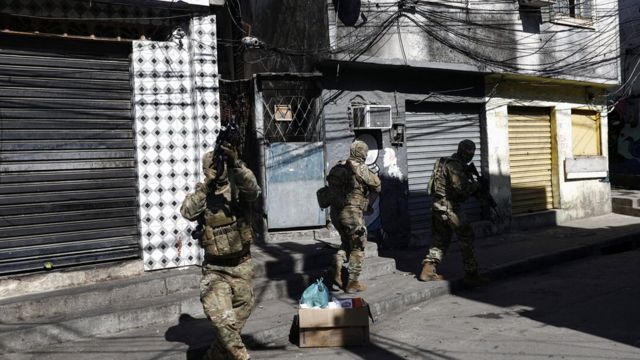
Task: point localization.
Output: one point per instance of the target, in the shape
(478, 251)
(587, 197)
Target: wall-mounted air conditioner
(371, 116)
(536, 3)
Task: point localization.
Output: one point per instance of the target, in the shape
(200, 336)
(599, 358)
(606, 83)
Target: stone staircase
(163, 299)
(626, 202)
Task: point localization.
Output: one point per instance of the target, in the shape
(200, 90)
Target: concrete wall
(624, 133)
(482, 36)
(294, 31)
(574, 198)
(388, 86)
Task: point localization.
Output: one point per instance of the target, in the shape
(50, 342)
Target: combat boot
(428, 272)
(475, 279)
(355, 286)
(335, 274)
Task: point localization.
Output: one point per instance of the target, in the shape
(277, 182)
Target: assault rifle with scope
(484, 186)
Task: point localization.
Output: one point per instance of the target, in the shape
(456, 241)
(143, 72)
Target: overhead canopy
(172, 3)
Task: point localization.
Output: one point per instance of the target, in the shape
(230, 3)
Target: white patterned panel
(205, 79)
(167, 99)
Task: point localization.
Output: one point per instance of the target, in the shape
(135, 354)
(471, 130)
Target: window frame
(566, 14)
(598, 129)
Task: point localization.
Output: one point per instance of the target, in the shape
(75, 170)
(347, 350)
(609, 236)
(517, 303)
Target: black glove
(231, 152)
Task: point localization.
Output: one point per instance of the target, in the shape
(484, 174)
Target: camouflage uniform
(447, 217)
(221, 206)
(349, 219)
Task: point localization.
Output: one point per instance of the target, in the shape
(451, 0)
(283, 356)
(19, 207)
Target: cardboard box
(333, 327)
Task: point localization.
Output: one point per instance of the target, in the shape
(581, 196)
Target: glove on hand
(232, 154)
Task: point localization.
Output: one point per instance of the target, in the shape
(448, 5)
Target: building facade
(624, 103)
(525, 80)
(106, 109)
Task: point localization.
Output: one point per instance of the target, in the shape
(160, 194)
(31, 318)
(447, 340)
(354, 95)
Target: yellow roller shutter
(585, 128)
(530, 159)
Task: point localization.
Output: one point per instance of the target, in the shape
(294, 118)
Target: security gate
(68, 182)
(530, 159)
(293, 150)
(434, 131)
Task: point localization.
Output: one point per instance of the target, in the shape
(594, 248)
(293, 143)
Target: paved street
(584, 310)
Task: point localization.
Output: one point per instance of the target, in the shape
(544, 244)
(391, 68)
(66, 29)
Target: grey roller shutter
(68, 191)
(434, 131)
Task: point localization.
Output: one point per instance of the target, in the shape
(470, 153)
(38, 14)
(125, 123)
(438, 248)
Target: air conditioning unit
(536, 3)
(371, 116)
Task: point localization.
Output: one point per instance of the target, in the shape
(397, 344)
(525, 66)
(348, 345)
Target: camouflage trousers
(444, 223)
(349, 221)
(227, 297)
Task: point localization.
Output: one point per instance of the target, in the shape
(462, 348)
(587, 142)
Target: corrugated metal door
(530, 159)
(434, 132)
(68, 181)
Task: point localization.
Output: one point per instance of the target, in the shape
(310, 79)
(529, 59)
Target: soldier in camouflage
(221, 206)
(349, 218)
(450, 185)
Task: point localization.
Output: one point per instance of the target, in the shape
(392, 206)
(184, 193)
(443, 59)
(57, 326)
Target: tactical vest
(358, 194)
(438, 183)
(226, 233)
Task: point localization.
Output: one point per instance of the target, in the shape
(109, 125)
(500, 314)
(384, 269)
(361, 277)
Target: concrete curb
(618, 244)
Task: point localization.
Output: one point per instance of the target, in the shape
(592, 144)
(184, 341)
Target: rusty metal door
(293, 151)
(530, 159)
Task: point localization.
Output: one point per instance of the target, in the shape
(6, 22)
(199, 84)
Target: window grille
(578, 9)
(291, 112)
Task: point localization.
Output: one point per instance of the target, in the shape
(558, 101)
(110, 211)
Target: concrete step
(282, 266)
(626, 210)
(123, 316)
(60, 303)
(122, 305)
(292, 285)
(271, 321)
(99, 322)
(296, 257)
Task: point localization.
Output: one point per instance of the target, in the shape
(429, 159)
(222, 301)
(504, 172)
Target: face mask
(466, 157)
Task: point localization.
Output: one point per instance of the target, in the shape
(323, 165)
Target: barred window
(578, 9)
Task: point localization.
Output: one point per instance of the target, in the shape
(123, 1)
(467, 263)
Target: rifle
(227, 136)
(484, 187)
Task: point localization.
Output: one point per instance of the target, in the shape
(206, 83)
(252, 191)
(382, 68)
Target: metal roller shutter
(530, 159)
(68, 191)
(433, 133)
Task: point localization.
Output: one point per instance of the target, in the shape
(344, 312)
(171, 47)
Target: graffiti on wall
(383, 221)
(624, 137)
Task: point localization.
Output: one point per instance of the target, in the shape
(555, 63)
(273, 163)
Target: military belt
(217, 261)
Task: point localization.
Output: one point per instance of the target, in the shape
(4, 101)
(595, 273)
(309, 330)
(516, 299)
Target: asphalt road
(583, 310)
(589, 309)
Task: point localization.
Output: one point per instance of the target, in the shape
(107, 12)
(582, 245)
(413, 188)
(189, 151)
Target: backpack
(436, 182)
(340, 184)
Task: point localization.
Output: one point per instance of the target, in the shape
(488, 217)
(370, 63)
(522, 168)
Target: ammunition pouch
(323, 197)
(328, 196)
(229, 241)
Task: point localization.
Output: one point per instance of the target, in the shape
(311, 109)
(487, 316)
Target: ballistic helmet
(359, 150)
(466, 150)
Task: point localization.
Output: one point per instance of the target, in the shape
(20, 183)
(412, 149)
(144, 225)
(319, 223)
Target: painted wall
(386, 86)
(575, 198)
(176, 112)
(482, 36)
(624, 131)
